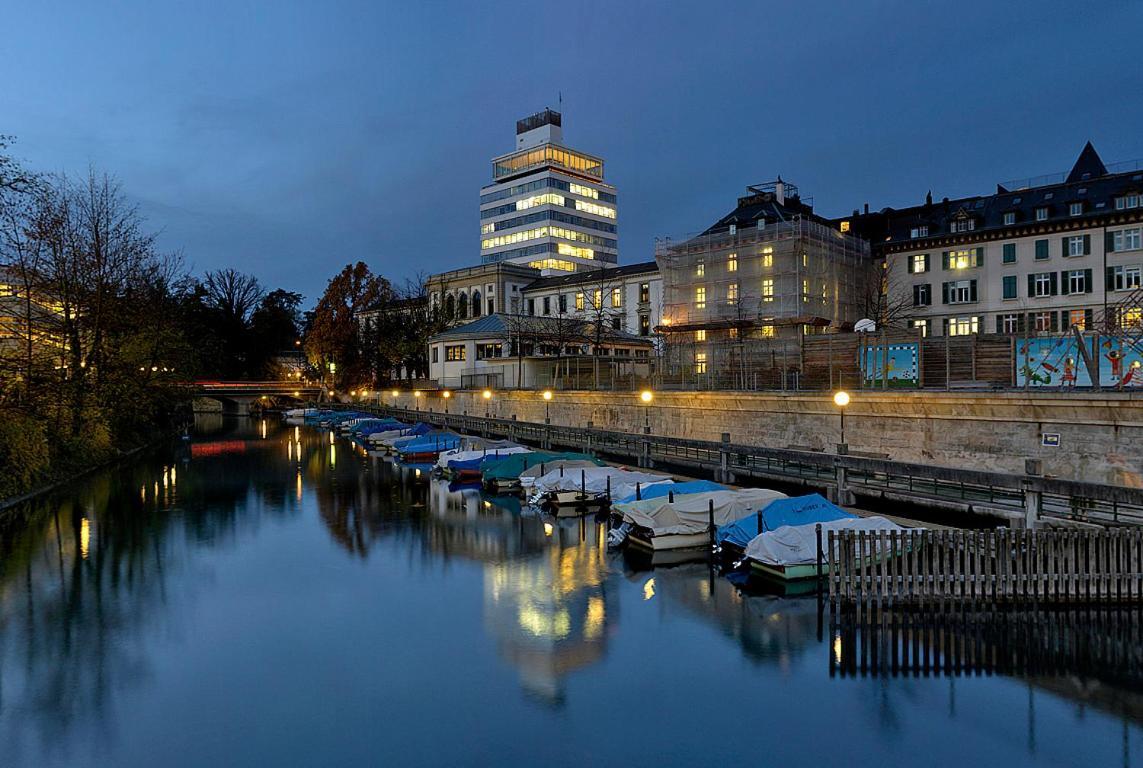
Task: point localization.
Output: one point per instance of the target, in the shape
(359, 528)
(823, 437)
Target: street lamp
(547, 400)
(487, 395)
(417, 398)
(647, 396)
(841, 399)
(446, 395)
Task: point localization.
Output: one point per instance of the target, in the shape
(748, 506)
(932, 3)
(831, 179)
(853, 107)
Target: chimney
(867, 208)
(780, 191)
(929, 198)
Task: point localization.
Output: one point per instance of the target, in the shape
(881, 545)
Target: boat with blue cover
(731, 539)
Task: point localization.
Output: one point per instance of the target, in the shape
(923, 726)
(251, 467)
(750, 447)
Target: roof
(1088, 183)
(776, 201)
(588, 276)
(501, 326)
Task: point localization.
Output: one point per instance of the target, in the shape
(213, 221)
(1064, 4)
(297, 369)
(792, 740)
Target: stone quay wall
(1100, 435)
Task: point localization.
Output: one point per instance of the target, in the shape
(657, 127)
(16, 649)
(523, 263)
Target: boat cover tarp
(595, 480)
(511, 467)
(798, 544)
(799, 510)
(470, 459)
(660, 489)
(430, 443)
(572, 462)
(391, 440)
(689, 512)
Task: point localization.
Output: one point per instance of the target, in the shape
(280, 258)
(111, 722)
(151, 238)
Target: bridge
(237, 397)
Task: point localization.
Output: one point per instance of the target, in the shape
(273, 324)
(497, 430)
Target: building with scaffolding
(764, 276)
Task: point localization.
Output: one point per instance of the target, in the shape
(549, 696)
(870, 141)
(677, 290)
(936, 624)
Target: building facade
(548, 207)
(471, 292)
(1039, 256)
(627, 298)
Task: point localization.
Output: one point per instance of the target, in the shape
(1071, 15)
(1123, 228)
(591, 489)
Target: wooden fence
(1002, 565)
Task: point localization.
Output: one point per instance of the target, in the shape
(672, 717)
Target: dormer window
(1049, 195)
(1009, 218)
(1075, 209)
(964, 225)
(734, 229)
(1123, 202)
(1042, 213)
(916, 232)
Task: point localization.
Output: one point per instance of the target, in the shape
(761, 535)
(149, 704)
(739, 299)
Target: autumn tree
(334, 340)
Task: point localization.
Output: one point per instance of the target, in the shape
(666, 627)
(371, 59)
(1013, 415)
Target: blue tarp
(369, 426)
(662, 489)
(799, 510)
(431, 443)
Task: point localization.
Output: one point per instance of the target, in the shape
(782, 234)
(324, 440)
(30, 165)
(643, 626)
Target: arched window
(450, 307)
(476, 303)
(462, 306)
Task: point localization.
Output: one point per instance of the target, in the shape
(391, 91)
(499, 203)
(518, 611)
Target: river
(264, 595)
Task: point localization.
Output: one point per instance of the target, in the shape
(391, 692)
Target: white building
(627, 298)
(548, 206)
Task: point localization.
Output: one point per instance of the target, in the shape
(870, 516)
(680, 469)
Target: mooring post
(1033, 498)
(583, 483)
(818, 531)
(710, 525)
(608, 493)
(638, 492)
(724, 460)
(844, 496)
(670, 497)
(644, 452)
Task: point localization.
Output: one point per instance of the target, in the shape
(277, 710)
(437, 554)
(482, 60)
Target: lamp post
(547, 400)
(417, 399)
(446, 395)
(647, 396)
(841, 400)
(487, 395)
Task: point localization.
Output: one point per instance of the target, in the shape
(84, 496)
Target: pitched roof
(501, 326)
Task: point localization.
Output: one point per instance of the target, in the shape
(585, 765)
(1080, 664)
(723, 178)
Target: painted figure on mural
(1069, 377)
(1116, 358)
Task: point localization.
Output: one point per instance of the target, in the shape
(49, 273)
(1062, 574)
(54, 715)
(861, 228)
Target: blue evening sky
(289, 138)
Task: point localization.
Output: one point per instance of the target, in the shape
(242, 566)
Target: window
(768, 256)
(960, 292)
(1043, 322)
(1075, 209)
(805, 289)
(964, 259)
(922, 295)
(844, 226)
(1009, 286)
(1010, 324)
(1124, 278)
(1127, 201)
(920, 325)
(732, 333)
(700, 297)
(700, 335)
(700, 362)
(597, 299)
(644, 293)
(1077, 281)
(919, 263)
(962, 326)
(1077, 245)
(732, 262)
(1126, 240)
(964, 225)
(1042, 284)
(767, 290)
(455, 353)
(547, 305)
(1130, 317)
(1042, 214)
(700, 270)
(616, 323)
(1009, 253)
(486, 351)
(617, 297)
(916, 232)
(1041, 250)
(767, 332)
(435, 351)
(531, 306)
(644, 325)
(732, 294)
(733, 229)
(579, 302)
(1009, 218)
(491, 306)
(1077, 318)
(563, 303)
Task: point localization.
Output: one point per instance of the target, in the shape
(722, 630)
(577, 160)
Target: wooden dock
(1002, 566)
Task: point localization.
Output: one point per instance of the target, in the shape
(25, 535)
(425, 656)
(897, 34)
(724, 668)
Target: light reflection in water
(84, 538)
(298, 485)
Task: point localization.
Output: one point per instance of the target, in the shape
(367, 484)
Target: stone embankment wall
(1100, 435)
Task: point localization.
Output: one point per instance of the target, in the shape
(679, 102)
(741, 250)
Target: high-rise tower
(548, 206)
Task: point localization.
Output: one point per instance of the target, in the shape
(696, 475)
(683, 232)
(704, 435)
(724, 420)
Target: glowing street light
(446, 395)
(487, 395)
(547, 400)
(417, 398)
(647, 396)
(841, 400)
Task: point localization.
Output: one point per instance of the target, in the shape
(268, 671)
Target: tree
(602, 312)
(882, 298)
(334, 341)
(274, 326)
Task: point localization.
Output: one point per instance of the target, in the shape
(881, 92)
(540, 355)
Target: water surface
(264, 596)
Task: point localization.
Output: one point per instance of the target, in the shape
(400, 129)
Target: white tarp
(690, 512)
(469, 454)
(595, 480)
(573, 466)
(387, 437)
(798, 544)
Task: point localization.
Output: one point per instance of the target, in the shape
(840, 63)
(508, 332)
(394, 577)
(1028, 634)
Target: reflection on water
(268, 594)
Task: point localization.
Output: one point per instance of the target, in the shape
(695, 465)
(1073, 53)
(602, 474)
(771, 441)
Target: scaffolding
(731, 298)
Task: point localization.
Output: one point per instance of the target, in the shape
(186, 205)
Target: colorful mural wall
(904, 370)
(1055, 361)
